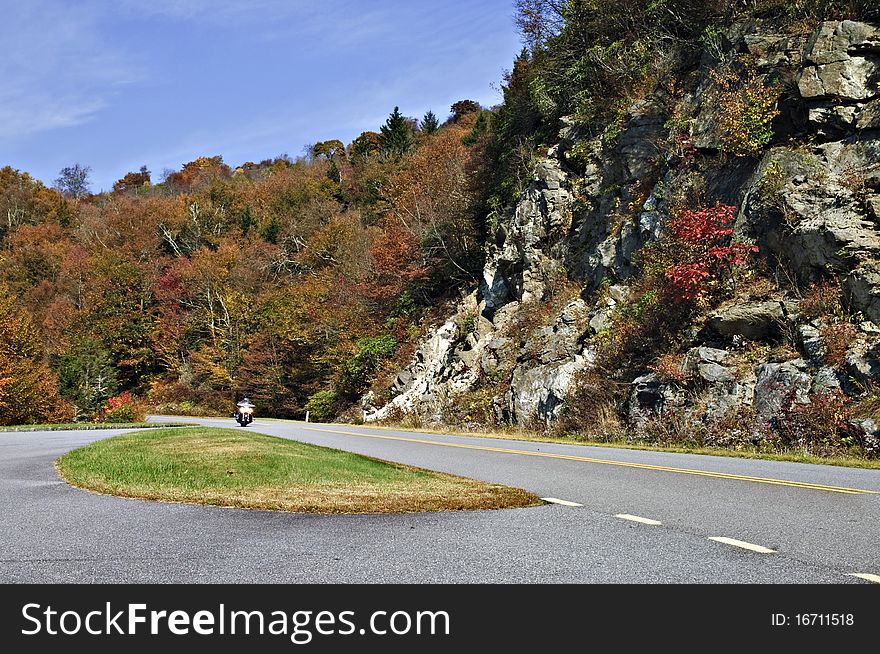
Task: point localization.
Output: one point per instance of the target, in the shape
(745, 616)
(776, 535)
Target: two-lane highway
(619, 516)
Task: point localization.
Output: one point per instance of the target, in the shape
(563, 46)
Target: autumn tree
(463, 108)
(367, 144)
(198, 169)
(538, 20)
(329, 149)
(431, 198)
(133, 181)
(25, 201)
(334, 152)
(28, 389)
(73, 181)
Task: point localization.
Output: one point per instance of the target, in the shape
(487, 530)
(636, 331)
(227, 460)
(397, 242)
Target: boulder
(841, 62)
(810, 340)
(781, 385)
(826, 380)
(756, 322)
(847, 80)
(539, 393)
(650, 398)
(729, 396)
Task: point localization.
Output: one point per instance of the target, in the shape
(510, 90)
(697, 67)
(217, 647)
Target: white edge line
(744, 545)
(867, 577)
(635, 518)
(553, 500)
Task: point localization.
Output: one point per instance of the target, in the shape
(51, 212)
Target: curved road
(822, 523)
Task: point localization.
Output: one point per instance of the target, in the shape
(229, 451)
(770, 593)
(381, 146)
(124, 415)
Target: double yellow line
(609, 462)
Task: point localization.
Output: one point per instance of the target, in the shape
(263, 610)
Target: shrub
(122, 408)
(590, 410)
(323, 405)
(746, 109)
(823, 300)
(697, 254)
(181, 399)
(741, 429)
(824, 427)
(690, 266)
(368, 354)
(668, 366)
(837, 337)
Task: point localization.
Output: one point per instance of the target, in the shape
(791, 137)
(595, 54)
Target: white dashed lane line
(760, 549)
(639, 519)
(867, 577)
(553, 500)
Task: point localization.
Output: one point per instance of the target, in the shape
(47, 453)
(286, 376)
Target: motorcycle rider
(244, 415)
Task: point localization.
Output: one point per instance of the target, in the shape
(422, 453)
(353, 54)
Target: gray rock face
(781, 385)
(826, 227)
(812, 201)
(826, 380)
(539, 393)
(529, 243)
(842, 60)
(650, 398)
(811, 341)
(756, 322)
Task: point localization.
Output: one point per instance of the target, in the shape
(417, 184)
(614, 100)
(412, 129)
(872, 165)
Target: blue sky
(116, 84)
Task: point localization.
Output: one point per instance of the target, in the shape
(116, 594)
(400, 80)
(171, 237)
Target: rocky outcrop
(756, 322)
(811, 202)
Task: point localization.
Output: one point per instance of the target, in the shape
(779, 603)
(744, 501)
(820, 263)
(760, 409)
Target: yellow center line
(610, 462)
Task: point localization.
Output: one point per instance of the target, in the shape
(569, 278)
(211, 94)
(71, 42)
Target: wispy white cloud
(55, 71)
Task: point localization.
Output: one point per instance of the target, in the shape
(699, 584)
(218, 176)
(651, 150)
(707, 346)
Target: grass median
(233, 468)
(90, 426)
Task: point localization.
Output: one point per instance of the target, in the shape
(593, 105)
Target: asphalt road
(822, 522)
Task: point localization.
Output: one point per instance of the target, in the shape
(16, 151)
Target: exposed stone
(848, 80)
(869, 115)
(811, 341)
(863, 286)
(601, 320)
(871, 437)
(703, 354)
(813, 205)
(842, 60)
(770, 50)
(835, 41)
(779, 386)
(825, 380)
(650, 398)
(862, 362)
(539, 393)
(873, 204)
(618, 292)
(713, 373)
(757, 322)
(727, 397)
(829, 118)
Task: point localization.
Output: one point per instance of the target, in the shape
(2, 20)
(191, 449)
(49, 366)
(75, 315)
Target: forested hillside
(289, 280)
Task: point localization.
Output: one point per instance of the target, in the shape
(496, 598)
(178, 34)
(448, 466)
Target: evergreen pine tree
(430, 123)
(396, 135)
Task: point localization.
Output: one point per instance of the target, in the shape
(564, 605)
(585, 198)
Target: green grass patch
(88, 426)
(228, 467)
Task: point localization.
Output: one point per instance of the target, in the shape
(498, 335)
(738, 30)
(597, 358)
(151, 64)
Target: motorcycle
(244, 414)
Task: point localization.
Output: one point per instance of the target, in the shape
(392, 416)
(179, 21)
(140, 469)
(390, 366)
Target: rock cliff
(564, 259)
